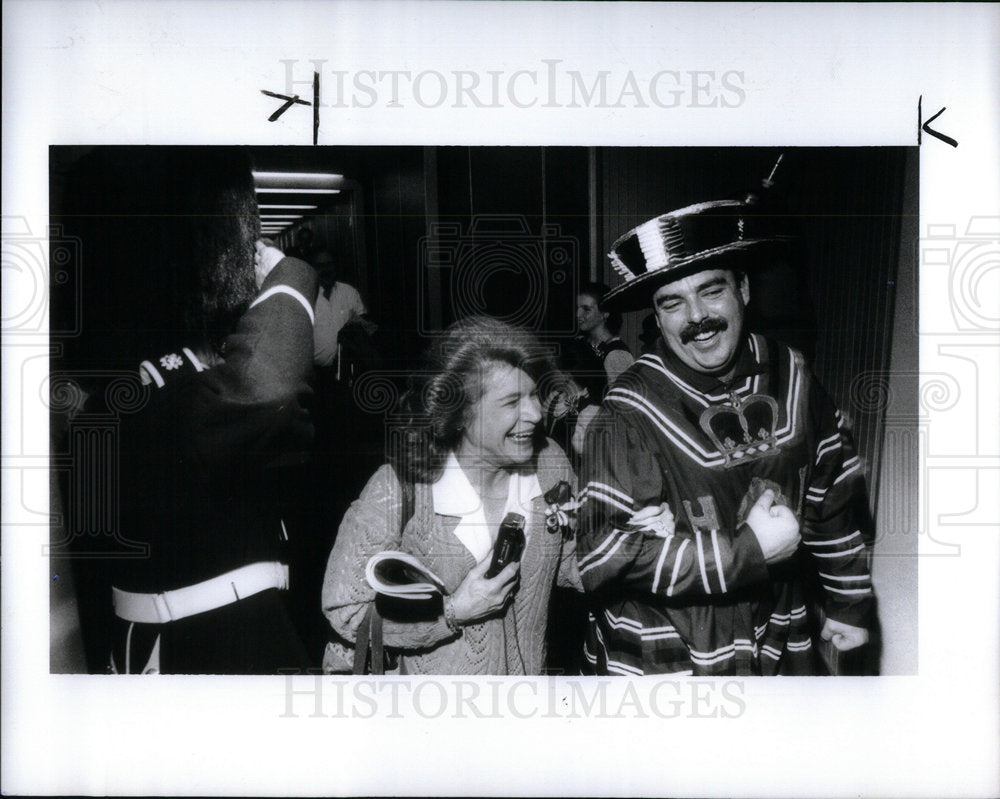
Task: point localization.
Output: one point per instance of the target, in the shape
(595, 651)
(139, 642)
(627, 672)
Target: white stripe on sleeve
(677, 566)
(152, 372)
(718, 561)
(855, 534)
(282, 289)
(701, 560)
(609, 553)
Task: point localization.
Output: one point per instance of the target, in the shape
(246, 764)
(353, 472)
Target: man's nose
(697, 311)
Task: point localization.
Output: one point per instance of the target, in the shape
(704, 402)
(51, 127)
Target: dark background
(430, 234)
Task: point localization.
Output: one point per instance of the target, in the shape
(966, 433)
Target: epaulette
(169, 367)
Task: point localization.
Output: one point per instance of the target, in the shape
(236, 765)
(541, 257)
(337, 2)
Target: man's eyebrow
(715, 281)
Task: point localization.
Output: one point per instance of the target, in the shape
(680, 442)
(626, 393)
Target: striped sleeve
(622, 476)
(835, 520)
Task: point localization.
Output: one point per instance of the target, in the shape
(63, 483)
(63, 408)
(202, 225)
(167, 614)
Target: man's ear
(745, 289)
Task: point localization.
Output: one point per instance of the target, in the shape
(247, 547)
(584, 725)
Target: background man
(733, 433)
(337, 304)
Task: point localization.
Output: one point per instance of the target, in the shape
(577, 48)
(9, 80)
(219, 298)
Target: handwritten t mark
(926, 126)
(288, 104)
(290, 101)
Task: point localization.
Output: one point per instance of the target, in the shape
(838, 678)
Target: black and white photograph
(415, 398)
(445, 324)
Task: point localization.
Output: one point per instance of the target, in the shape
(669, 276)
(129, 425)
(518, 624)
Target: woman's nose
(531, 411)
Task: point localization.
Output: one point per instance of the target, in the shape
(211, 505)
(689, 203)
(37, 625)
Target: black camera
(509, 544)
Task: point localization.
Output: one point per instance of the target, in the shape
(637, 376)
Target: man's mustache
(711, 325)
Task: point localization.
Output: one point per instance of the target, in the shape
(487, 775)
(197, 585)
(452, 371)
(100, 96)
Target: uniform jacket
(197, 470)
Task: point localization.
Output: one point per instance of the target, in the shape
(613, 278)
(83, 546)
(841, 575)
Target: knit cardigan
(511, 643)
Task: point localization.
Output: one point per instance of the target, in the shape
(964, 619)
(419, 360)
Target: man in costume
(753, 462)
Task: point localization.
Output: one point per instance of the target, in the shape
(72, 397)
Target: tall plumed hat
(722, 234)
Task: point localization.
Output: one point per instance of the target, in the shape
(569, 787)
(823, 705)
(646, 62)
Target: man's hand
(265, 259)
(775, 526)
(656, 519)
(844, 636)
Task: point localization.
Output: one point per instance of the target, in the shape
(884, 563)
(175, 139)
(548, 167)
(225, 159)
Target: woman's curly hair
(440, 395)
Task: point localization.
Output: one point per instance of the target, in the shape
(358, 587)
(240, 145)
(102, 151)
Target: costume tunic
(703, 600)
(444, 518)
(199, 486)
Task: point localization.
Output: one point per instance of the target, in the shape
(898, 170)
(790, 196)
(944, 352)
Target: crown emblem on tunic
(743, 429)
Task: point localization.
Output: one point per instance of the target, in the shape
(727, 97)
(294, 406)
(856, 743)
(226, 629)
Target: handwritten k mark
(926, 126)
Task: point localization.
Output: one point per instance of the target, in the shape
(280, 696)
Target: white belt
(200, 597)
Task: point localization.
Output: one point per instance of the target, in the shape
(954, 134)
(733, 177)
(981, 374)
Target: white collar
(454, 495)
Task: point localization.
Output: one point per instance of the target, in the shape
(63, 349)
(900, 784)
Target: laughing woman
(472, 453)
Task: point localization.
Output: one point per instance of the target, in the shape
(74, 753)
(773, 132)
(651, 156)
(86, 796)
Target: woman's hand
(266, 257)
(656, 519)
(478, 597)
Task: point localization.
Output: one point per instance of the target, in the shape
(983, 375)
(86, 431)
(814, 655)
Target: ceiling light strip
(262, 190)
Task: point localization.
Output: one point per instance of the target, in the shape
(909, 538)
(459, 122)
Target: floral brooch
(560, 504)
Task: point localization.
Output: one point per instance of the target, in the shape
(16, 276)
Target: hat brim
(637, 293)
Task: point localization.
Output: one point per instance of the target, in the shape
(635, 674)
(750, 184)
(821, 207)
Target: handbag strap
(406, 485)
(369, 647)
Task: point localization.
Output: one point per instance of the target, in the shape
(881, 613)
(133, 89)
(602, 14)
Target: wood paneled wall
(834, 298)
